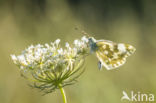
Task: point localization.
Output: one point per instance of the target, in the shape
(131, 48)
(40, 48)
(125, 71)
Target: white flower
(76, 42)
(47, 45)
(84, 39)
(67, 45)
(30, 48)
(13, 57)
(60, 51)
(57, 41)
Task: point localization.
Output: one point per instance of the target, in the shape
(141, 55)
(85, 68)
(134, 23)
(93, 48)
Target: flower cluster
(50, 66)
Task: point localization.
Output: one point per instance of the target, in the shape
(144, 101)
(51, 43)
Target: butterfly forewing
(113, 55)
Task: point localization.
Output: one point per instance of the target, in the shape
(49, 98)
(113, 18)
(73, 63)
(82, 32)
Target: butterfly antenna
(82, 31)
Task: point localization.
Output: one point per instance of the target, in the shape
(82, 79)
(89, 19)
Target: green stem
(63, 94)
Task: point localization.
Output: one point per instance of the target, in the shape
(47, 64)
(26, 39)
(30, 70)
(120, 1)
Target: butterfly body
(92, 44)
(111, 55)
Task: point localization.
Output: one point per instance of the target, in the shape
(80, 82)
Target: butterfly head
(92, 44)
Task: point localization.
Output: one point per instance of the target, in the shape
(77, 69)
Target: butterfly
(111, 55)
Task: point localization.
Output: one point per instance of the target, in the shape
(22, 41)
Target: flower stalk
(63, 94)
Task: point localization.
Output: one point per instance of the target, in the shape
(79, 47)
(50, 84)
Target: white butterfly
(111, 55)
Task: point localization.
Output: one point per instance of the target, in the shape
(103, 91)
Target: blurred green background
(26, 22)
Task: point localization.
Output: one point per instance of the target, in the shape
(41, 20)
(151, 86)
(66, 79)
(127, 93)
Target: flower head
(50, 66)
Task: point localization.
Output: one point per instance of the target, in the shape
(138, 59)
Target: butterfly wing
(113, 55)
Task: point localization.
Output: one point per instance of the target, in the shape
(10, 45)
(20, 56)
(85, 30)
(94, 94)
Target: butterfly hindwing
(113, 55)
